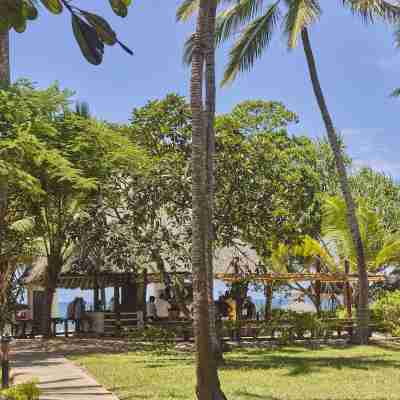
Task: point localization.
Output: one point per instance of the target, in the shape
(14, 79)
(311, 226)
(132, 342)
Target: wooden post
(96, 298)
(268, 291)
(145, 282)
(318, 287)
(103, 298)
(348, 294)
(5, 362)
(117, 309)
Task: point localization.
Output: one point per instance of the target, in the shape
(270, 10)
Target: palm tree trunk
(4, 82)
(199, 213)
(363, 311)
(210, 150)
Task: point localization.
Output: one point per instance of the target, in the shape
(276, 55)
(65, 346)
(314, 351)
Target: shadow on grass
(306, 365)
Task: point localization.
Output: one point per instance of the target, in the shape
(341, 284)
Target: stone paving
(59, 378)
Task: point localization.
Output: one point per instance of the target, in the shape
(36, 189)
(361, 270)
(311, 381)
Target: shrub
(24, 391)
(152, 333)
(387, 310)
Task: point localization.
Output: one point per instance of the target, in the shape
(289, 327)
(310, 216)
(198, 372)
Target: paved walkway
(59, 378)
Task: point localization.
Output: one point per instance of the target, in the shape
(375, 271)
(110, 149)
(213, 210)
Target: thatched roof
(110, 275)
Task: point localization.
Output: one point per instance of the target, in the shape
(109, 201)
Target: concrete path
(59, 378)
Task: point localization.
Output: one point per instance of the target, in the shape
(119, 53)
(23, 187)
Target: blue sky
(358, 65)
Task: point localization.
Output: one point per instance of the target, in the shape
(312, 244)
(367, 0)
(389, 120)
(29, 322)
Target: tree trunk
(268, 301)
(363, 310)
(210, 150)
(4, 82)
(206, 372)
(199, 214)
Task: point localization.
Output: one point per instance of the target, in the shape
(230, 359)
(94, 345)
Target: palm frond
(187, 9)
(229, 21)
(23, 225)
(188, 50)
(301, 13)
(253, 41)
(369, 10)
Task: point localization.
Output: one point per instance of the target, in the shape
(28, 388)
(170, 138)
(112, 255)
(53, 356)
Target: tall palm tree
(259, 25)
(4, 81)
(202, 193)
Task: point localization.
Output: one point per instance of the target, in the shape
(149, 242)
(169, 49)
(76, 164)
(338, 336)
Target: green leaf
(19, 23)
(29, 10)
(119, 7)
(91, 46)
(103, 28)
(252, 43)
(54, 6)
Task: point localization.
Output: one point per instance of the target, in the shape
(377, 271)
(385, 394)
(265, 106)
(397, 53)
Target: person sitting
(162, 307)
(249, 309)
(151, 309)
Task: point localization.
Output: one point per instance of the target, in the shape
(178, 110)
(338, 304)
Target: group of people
(230, 309)
(226, 306)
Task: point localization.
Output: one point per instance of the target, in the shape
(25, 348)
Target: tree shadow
(306, 365)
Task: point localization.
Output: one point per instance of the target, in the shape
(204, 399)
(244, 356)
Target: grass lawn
(291, 373)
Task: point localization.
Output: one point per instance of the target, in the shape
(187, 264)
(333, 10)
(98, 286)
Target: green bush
(306, 322)
(152, 333)
(24, 391)
(387, 310)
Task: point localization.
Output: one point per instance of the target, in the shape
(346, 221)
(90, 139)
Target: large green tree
(80, 154)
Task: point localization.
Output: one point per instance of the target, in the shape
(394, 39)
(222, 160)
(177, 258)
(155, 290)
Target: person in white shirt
(162, 307)
(151, 308)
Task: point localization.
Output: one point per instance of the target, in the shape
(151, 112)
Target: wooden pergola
(295, 277)
(318, 277)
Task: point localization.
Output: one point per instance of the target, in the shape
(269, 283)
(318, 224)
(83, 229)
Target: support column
(145, 281)
(318, 287)
(348, 292)
(96, 299)
(268, 291)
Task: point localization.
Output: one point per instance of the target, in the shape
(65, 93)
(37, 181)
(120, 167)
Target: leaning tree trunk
(4, 265)
(215, 331)
(363, 311)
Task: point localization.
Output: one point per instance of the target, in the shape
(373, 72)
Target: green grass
(292, 373)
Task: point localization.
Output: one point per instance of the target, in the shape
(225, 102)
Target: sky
(358, 66)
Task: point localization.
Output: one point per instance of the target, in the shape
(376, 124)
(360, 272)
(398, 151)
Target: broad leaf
(103, 28)
(90, 44)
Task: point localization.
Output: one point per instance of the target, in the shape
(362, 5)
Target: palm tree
(382, 248)
(4, 82)
(254, 40)
(202, 193)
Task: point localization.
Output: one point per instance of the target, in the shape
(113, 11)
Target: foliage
(91, 31)
(23, 391)
(152, 333)
(387, 309)
(381, 193)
